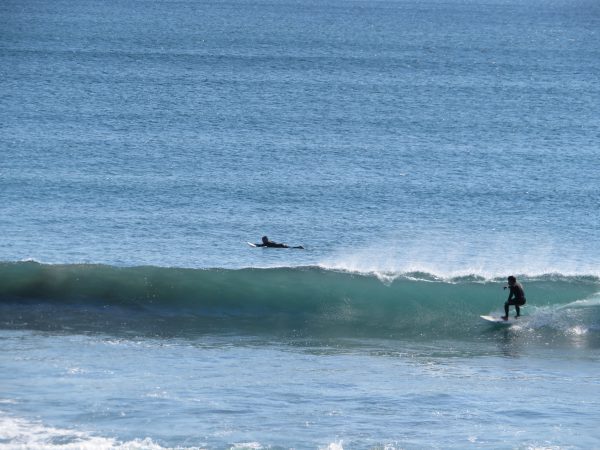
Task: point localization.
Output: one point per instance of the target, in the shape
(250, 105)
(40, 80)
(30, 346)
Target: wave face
(302, 300)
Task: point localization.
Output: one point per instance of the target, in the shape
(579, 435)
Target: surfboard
(499, 320)
(254, 245)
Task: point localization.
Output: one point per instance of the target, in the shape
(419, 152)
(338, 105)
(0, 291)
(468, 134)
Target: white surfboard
(251, 244)
(499, 320)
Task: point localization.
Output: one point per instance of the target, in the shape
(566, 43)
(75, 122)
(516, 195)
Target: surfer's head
(512, 280)
(265, 239)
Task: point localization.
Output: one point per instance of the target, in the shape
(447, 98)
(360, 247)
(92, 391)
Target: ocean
(419, 150)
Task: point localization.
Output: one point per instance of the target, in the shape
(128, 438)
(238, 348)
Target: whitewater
(99, 356)
(420, 151)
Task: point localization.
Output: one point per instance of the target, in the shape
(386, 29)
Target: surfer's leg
(506, 310)
(518, 304)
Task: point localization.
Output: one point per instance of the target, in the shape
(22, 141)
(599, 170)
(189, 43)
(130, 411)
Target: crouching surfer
(516, 297)
(267, 243)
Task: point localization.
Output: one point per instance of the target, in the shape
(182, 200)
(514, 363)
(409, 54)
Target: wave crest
(300, 298)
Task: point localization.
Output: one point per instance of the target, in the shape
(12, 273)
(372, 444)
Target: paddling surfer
(516, 297)
(267, 243)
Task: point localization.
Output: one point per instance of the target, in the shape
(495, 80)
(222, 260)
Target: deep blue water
(170, 133)
(420, 151)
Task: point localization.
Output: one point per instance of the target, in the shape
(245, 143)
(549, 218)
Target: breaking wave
(290, 299)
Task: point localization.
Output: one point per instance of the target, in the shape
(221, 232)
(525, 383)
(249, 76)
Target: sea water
(420, 151)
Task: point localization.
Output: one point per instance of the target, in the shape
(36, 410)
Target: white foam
(592, 301)
(247, 445)
(17, 433)
(333, 446)
(448, 255)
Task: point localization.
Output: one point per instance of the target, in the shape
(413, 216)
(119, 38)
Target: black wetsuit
(516, 298)
(272, 245)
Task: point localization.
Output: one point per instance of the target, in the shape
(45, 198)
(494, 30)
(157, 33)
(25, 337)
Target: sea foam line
(18, 433)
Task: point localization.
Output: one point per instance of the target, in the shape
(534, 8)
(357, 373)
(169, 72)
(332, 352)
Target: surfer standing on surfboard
(516, 297)
(267, 243)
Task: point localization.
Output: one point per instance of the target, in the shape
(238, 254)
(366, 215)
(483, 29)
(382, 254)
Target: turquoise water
(420, 151)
